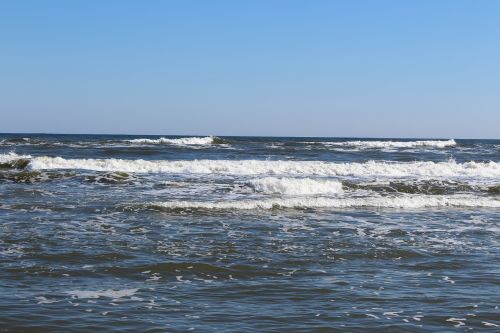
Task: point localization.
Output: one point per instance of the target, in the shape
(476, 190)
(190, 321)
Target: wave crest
(288, 168)
(14, 161)
(295, 186)
(367, 144)
(208, 140)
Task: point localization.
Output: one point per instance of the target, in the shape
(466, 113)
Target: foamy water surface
(248, 234)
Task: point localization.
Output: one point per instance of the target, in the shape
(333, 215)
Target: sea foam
(273, 168)
(102, 293)
(295, 186)
(180, 141)
(4, 158)
(368, 144)
(402, 202)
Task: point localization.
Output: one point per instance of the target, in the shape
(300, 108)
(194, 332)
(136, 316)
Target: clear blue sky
(299, 68)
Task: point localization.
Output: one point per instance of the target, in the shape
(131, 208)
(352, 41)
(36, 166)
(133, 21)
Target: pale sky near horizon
(275, 67)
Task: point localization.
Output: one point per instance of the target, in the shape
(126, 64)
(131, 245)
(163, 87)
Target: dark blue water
(247, 234)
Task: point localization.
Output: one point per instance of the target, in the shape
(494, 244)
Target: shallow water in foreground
(173, 234)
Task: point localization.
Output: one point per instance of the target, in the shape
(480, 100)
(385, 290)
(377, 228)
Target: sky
(351, 68)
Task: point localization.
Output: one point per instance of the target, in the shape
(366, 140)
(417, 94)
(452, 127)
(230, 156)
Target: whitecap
(179, 141)
(295, 186)
(286, 168)
(371, 144)
(11, 156)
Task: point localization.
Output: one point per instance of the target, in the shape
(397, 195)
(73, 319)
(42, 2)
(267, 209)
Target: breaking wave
(403, 202)
(392, 144)
(295, 186)
(426, 186)
(10, 157)
(290, 168)
(14, 161)
(208, 140)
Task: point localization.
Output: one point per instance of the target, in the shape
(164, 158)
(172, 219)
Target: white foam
(180, 141)
(402, 202)
(102, 293)
(296, 186)
(4, 158)
(368, 144)
(45, 300)
(288, 168)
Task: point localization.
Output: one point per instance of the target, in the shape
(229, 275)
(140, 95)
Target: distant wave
(16, 141)
(296, 186)
(291, 168)
(391, 144)
(404, 202)
(208, 140)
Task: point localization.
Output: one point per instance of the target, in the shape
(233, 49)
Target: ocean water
(248, 234)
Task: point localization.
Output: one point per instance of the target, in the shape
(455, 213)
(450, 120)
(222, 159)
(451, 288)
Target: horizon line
(251, 136)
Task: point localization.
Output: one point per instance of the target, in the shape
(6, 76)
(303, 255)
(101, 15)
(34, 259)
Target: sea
(117, 233)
